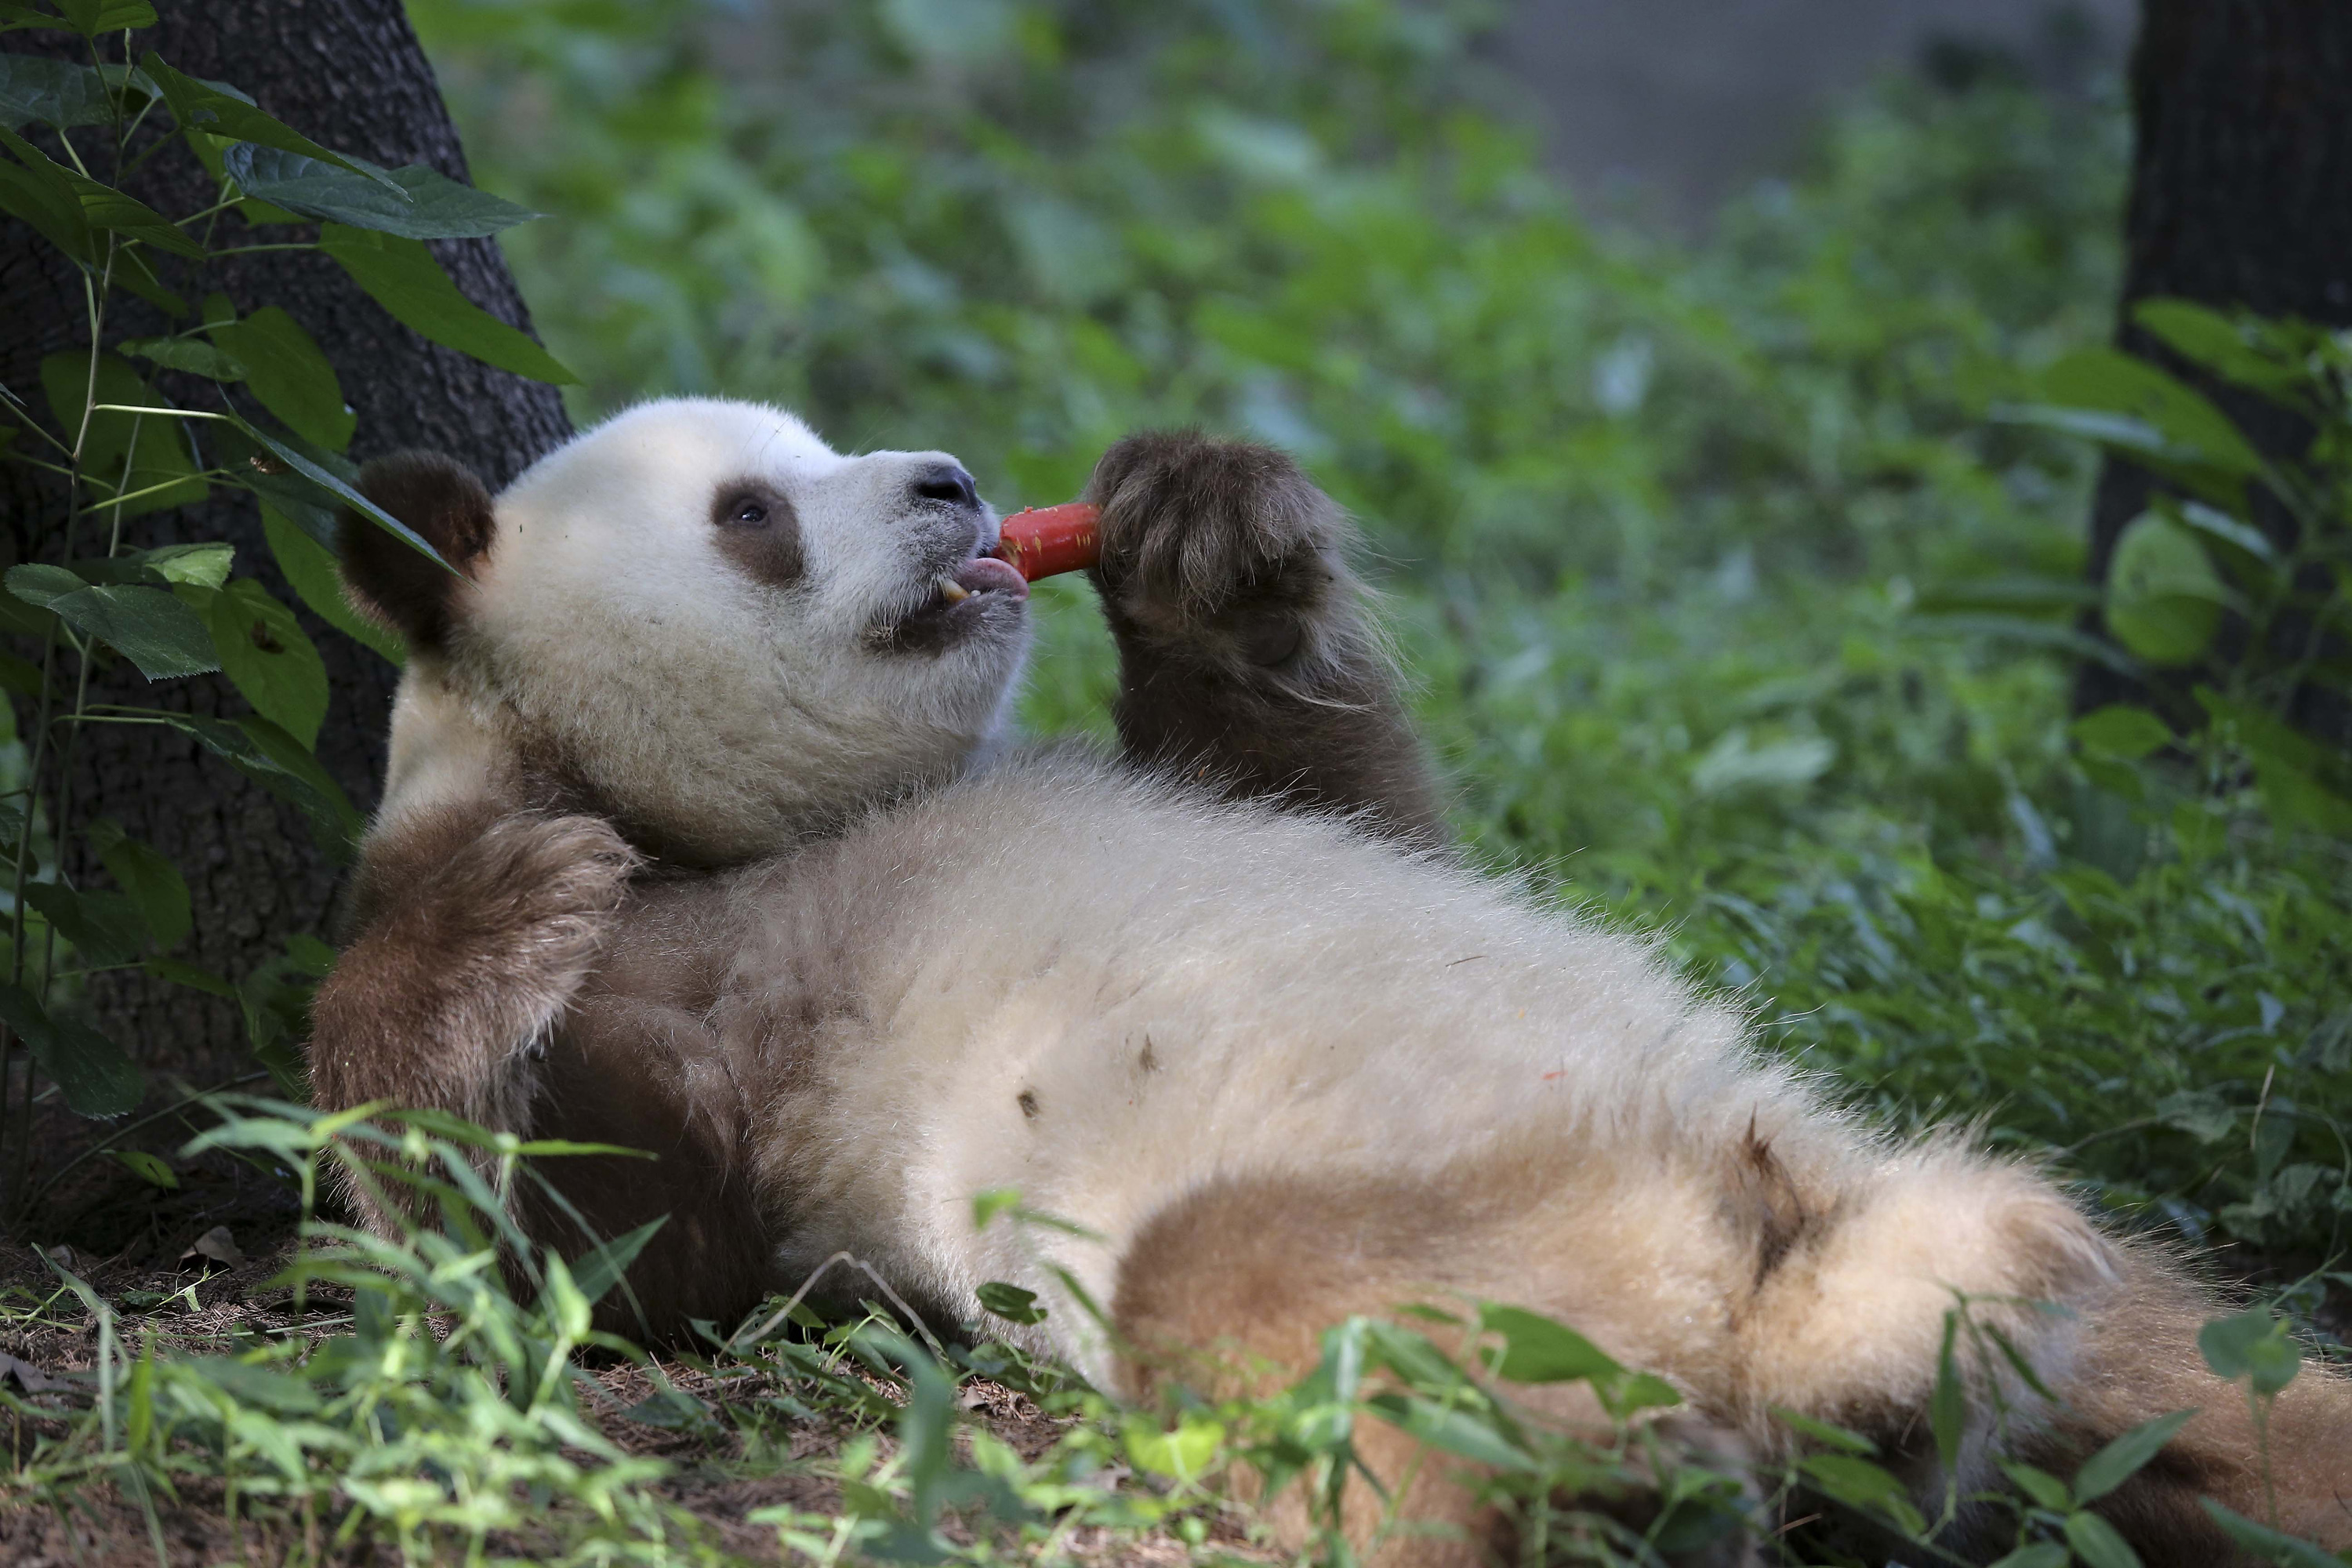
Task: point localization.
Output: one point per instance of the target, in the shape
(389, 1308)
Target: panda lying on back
(702, 835)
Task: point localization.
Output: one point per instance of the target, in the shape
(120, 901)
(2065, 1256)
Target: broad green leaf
(2254, 1345)
(2121, 730)
(1863, 1485)
(1537, 1349)
(279, 763)
(173, 972)
(2109, 381)
(54, 92)
(2201, 334)
(1453, 1429)
(193, 355)
(147, 626)
(92, 17)
(2121, 1459)
(204, 564)
(2042, 1487)
(601, 1268)
(148, 879)
(146, 1167)
(104, 928)
(2164, 598)
(2268, 1545)
(201, 106)
(1822, 1432)
(248, 1383)
(1010, 1302)
(2096, 1544)
(142, 455)
(314, 469)
(40, 195)
(987, 1205)
(102, 207)
(2040, 1555)
(309, 569)
(427, 204)
(402, 275)
(1182, 1455)
(284, 368)
(93, 1074)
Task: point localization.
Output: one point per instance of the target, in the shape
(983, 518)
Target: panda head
(696, 619)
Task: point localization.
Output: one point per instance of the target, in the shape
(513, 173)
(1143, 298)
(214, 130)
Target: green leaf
(1182, 1455)
(92, 17)
(2121, 1459)
(93, 1074)
(2043, 1487)
(284, 368)
(402, 275)
(102, 207)
(313, 468)
(201, 106)
(2253, 1345)
(987, 1205)
(427, 206)
(2095, 1541)
(38, 193)
(104, 928)
(204, 564)
(147, 626)
(2268, 1545)
(1537, 1349)
(121, 453)
(266, 655)
(54, 92)
(281, 764)
(2164, 598)
(2121, 730)
(2205, 336)
(192, 355)
(1860, 1484)
(1010, 1302)
(598, 1269)
(2040, 1555)
(173, 972)
(148, 879)
(146, 1167)
(2109, 381)
(1822, 1432)
(309, 569)
(1947, 1407)
(1453, 1429)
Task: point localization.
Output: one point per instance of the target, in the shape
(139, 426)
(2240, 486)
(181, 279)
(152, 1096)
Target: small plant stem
(250, 250)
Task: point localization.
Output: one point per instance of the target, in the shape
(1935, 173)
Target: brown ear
(388, 578)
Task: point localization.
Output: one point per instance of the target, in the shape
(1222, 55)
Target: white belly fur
(1313, 1002)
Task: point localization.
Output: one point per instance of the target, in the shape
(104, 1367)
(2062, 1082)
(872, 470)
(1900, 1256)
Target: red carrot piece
(1046, 539)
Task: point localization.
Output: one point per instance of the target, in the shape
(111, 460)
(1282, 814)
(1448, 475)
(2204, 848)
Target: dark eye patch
(759, 531)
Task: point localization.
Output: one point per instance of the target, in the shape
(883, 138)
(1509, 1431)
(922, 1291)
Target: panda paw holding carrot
(703, 834)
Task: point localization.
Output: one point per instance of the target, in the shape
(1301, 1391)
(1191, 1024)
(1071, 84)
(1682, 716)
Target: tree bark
(2241, 198)
(350, 74)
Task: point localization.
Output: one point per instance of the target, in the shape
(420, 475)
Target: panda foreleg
(1249, 658)
(474, 929)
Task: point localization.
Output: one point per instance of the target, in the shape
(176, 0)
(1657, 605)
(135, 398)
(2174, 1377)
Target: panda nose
(946, 482)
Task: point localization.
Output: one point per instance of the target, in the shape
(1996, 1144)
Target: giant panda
(703, 834)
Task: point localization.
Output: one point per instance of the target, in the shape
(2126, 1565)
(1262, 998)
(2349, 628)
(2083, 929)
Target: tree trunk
(348, 74)
(2241, 198)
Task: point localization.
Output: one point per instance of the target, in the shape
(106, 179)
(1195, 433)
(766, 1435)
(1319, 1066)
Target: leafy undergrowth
(353, 1398)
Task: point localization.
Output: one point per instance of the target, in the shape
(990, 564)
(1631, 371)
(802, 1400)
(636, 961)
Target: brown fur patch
(1247, 657)
(440, 500)
(475, 928)
(1779, 1212)
(760, 532)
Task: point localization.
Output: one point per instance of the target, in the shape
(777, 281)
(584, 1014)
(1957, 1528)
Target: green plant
(127, 426)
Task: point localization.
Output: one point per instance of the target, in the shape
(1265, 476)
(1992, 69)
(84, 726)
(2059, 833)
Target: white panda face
(730, 634)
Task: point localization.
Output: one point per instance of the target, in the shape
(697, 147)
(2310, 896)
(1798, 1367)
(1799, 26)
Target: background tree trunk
(350, 74)
(2241, 198)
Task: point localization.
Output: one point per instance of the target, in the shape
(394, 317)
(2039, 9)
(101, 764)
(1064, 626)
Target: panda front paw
(1223, 549)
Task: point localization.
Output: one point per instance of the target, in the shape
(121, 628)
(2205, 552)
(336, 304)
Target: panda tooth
(953, 592)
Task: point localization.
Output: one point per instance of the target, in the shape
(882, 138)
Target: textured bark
(2241, 198)
(350, 74)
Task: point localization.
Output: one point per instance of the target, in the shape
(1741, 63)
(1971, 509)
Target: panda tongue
(987, 574)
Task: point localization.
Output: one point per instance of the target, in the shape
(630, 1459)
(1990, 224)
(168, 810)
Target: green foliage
(242, 401)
